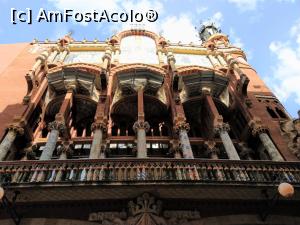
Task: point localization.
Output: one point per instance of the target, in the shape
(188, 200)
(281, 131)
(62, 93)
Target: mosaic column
(182, 128)
(9, 139)
(222, 131)
(261, 132)
(141, 128)
(55, 128)
(98, 128)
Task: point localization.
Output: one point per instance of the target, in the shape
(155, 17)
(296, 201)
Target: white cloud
(246, 5)
(179, 28)
(217, 18)
(286, 72)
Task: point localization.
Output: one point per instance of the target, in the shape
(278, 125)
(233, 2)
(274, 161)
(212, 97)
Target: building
(137, 130)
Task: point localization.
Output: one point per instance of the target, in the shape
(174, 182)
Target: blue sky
(268, 30)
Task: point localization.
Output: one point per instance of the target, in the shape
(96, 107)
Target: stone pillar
(31, 75)
(160, 56)
(9, 139)
(182, 128)
(97, 128)
(171, 61)
(141, 128)
(106, 59)
(261, 131)
(222, 131)
(40, 60)
(64, 52)
(55, 128)
(117, 54)
(55, 51)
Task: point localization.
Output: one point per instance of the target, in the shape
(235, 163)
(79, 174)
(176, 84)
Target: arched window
(271, 112)
(138, 49)
(280, 113)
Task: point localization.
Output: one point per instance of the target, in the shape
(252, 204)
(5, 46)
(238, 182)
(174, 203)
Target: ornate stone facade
(189, 136)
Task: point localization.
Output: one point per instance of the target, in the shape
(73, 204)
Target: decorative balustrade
(149, 170)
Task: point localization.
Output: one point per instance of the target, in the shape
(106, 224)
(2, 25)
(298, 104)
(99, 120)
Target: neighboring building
(137, 130)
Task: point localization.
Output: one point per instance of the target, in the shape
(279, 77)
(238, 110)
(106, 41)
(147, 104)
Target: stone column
(213, 61)
(9, 139)
(55, 51)
(117, 54)
(141, 128)
(160, 56)
(97, 128)
(261, 131)
(222, 131)
(106, 58)
(64, 52)
(171, 61)
(182, 128)
(40, 60)
(31, 75)
(55, 129)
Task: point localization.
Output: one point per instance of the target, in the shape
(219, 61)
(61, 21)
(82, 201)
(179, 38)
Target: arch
(116, 39)
(125, 111)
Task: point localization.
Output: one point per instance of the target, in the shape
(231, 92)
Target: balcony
(148, 170)
(83, 179)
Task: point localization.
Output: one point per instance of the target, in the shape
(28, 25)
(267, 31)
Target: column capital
(141, 125)
(170, 57)
(99, 125)
(257, 127)
(107, 54)
(16, 128)
(182, 125)
(57, 125)
(64, 48)
(221, 127)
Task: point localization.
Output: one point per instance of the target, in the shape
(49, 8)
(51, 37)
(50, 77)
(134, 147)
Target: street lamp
(10, 206)
(284, 190)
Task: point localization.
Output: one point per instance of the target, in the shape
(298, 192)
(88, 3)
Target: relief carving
(145, 210)
(290, 130)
